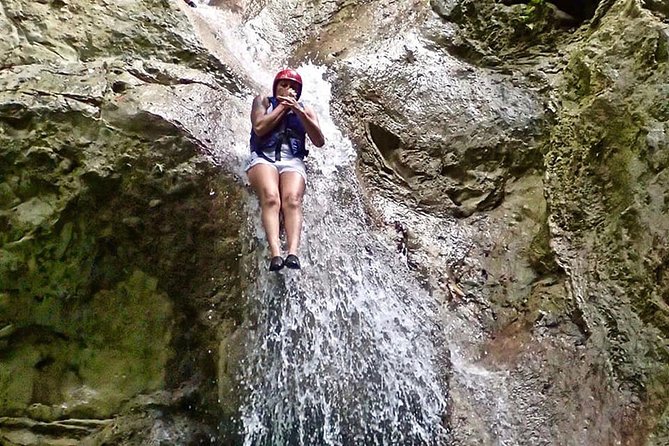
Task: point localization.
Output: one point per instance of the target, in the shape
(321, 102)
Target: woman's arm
(311, 125)
(261, 122)
(308, 117)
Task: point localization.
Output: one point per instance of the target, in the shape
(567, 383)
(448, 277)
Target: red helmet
(288, 74)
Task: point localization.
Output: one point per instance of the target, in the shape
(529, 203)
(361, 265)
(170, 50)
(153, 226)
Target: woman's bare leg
(265, 181)
(292, 191)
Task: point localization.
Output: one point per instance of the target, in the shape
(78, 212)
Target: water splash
(347, 350)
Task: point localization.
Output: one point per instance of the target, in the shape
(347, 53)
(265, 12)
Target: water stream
(347, 350)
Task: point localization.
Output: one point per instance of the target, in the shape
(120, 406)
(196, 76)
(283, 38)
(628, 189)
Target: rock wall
(535, 141)
(606, 171)
(120, 236)
(543, 138)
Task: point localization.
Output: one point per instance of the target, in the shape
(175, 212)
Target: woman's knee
(270, 199)
(291, 201)
(265, 182)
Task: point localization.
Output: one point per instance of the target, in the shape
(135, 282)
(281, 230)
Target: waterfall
(347, 350)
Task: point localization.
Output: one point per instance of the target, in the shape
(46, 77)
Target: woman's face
(286, 87)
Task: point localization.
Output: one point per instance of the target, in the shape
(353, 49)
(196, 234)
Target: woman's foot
(292, 262)
(276, 263)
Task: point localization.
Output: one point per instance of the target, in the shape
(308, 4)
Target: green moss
(104, 353)
(605, 193)
(98, 246)
(85, 290)
(39, 270)
(657, 396)
(534, 11)
(578, 76)
(17, 376)
(616, 172)
(541, 255)
(662, 49)
(7, 197)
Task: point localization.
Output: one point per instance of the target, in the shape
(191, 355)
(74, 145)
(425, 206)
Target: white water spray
(347, 350)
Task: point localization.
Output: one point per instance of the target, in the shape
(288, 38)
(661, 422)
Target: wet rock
(556, 175)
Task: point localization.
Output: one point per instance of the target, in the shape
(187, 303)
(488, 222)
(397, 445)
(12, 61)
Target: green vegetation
(534, 11)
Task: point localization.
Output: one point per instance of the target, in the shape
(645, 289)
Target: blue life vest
(290, 130)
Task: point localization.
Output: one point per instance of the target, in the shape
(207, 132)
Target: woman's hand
(306, 115)
(290, 102)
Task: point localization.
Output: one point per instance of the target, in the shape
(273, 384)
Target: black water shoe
(292, 262)
(276, 263)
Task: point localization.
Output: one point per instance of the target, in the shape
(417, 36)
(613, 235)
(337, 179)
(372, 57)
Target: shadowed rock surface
(119, 236)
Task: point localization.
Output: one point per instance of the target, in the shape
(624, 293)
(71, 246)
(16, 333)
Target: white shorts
(290, 165)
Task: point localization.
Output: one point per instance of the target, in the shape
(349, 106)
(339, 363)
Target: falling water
(346, 350)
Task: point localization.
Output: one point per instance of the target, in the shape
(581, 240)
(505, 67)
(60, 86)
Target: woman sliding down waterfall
(348, 351)
(276, 168)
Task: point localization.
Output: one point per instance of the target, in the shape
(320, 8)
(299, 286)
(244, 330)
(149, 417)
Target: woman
(276, 169)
